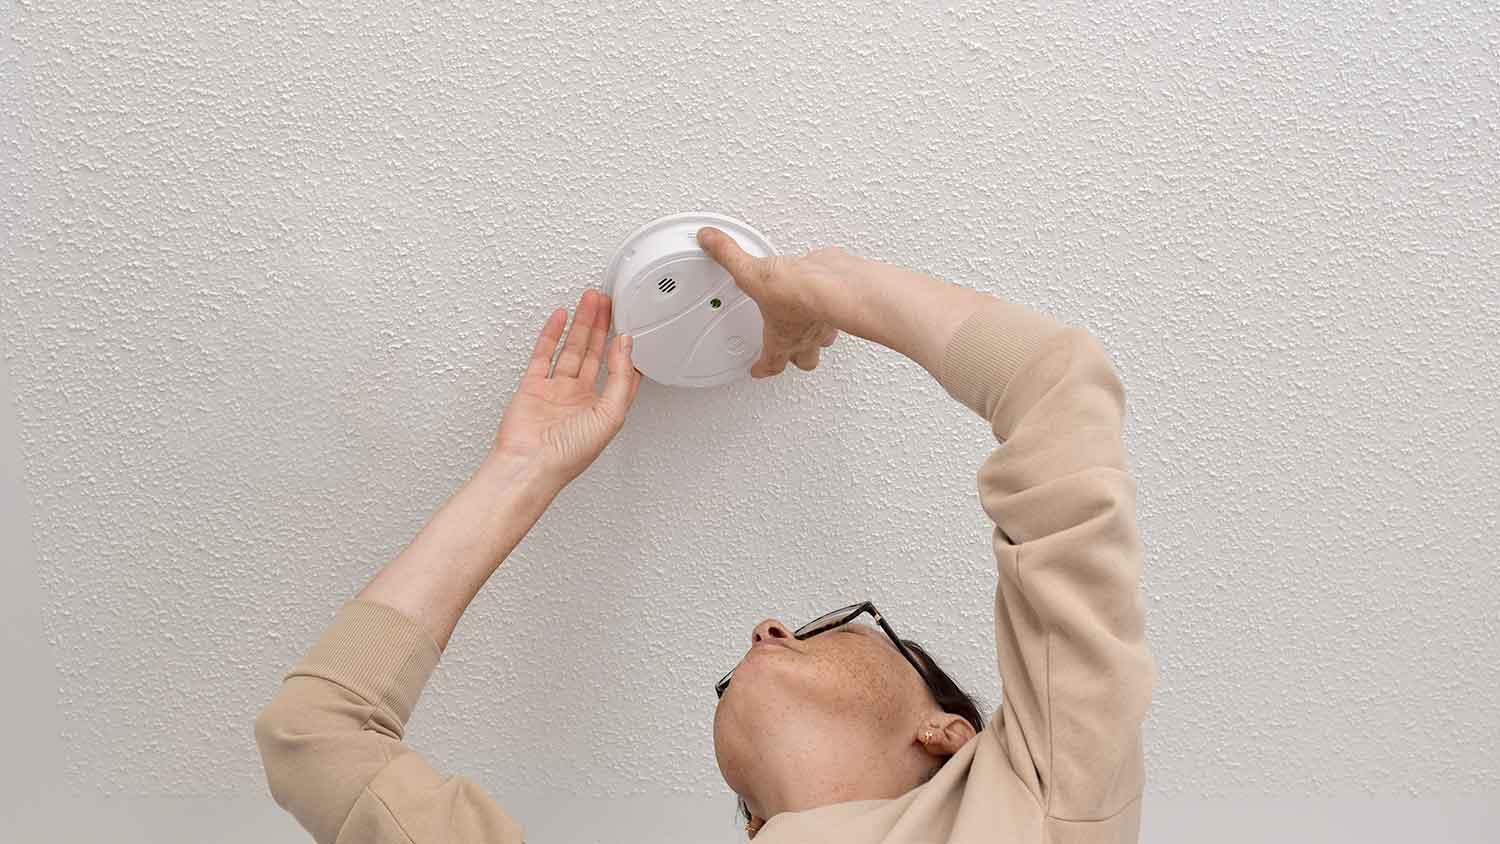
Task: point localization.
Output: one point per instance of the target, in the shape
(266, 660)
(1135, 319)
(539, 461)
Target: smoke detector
(693, 326)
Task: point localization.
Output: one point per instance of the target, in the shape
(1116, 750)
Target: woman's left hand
(558, 419)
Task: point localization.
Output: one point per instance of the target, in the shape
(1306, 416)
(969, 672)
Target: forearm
(901, 309)
(433, 580)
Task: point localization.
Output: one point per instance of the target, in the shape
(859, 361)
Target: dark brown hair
(949, 697)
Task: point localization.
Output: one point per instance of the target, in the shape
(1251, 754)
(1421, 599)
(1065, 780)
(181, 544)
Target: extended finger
(590, 368)
(546, 343)
(723, 249)
(623, 380)
(578, 335)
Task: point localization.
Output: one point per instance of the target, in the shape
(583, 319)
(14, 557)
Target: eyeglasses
(838, 618)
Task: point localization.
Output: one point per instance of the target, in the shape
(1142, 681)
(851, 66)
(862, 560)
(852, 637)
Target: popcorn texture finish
(270, 275)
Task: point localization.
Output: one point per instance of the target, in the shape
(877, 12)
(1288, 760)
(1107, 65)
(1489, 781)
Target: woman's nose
(770, 628)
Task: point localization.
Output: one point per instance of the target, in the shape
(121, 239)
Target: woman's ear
(944, 734)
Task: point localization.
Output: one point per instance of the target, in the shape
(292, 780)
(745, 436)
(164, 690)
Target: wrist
(514, 474)
(834, 296)
(847, 298)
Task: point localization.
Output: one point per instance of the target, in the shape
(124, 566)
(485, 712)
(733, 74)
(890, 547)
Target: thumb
(727, 252)
(623, 381)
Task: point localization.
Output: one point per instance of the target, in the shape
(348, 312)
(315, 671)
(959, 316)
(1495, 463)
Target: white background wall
(271, 271)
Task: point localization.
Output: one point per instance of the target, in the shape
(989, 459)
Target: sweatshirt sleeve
(1069, 620)
(331, 741)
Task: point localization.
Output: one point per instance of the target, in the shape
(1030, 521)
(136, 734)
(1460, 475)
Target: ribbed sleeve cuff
(988, 350)
(376, 652)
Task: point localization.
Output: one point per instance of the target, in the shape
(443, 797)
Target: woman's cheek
(866, 684)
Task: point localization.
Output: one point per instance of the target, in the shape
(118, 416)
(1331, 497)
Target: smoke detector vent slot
(666, 285)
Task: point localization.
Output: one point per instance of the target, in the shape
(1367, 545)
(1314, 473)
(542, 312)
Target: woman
(842, 732)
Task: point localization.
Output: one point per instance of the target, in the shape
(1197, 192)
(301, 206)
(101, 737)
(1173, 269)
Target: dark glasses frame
(838, 618)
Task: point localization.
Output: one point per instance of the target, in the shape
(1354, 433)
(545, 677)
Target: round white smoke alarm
(693, 326)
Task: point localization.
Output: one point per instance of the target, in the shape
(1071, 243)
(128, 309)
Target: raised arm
(332, 739)
(1069, 621)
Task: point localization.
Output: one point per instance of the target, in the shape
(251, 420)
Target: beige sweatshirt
(1059, 761)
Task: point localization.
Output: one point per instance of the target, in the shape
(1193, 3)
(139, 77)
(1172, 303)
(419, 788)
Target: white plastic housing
(662, 286)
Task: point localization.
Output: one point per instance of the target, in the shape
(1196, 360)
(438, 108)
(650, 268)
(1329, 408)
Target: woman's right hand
(783, 287)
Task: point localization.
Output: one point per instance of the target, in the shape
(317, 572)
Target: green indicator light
(714, 302)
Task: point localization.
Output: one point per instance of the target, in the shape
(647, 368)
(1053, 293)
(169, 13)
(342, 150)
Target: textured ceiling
(271, 272)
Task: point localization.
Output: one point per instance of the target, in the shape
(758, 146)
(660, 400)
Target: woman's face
(838, 686)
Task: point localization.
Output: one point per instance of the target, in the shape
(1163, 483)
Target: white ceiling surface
(271, 274)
